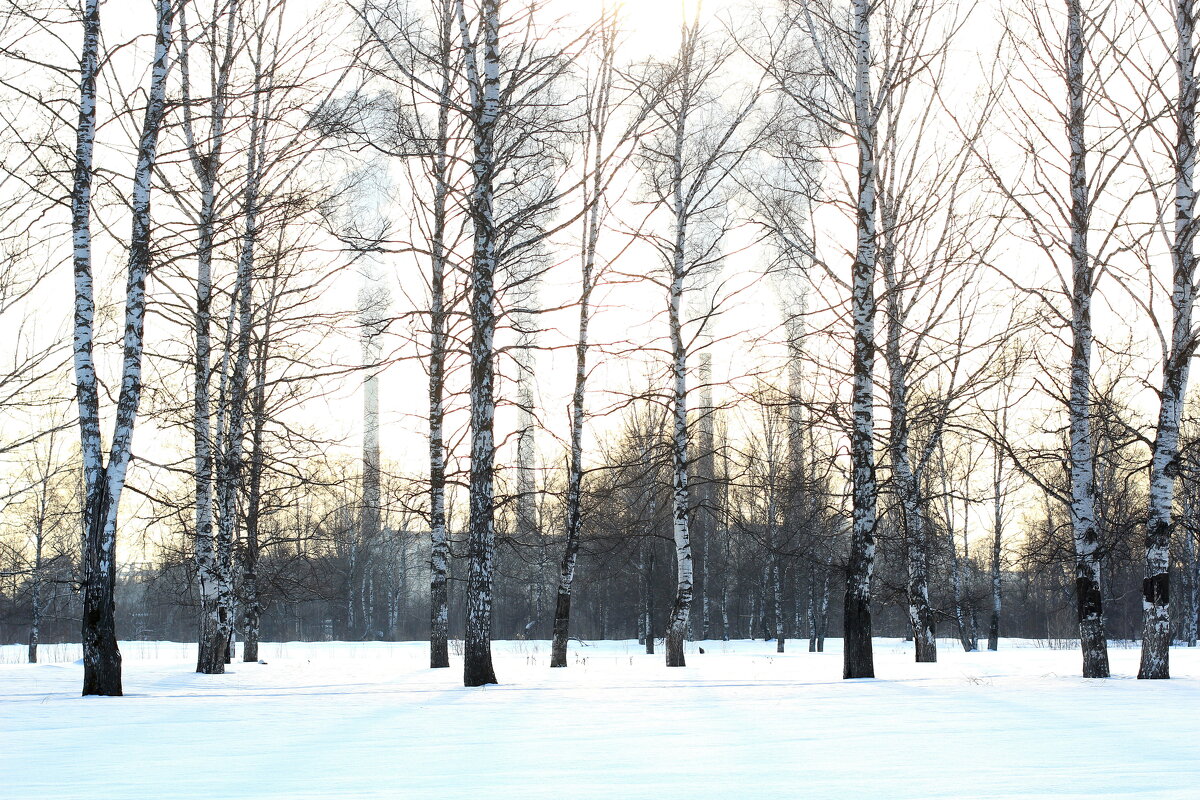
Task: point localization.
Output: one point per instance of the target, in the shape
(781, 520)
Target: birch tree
(1178, 340)
(206, 158)
(415, 53)
(507, 203)
(104, 480)
(607, 146)
(700, 142)
(1063, 199)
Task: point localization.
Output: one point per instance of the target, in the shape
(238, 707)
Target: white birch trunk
(439, 558)
(574, 511)
(858, 659)
(206, 166)
(1086, 535)
(104, 483)
(482, 63)
(1164, 459)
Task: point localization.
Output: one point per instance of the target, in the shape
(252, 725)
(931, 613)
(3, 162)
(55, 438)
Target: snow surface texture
(369, 720)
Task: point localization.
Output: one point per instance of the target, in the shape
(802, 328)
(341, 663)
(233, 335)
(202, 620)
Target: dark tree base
(101, 656)
(1092, 639)
(675, 649)
(477, 665)
(103, 676)
(1156, 629)
(858, 658)
(439, 654)
(562, 623)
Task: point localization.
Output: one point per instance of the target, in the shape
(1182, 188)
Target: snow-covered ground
(358, 720)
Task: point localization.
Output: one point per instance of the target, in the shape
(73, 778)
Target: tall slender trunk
(777, 598)
(483, 77)
(920, 616)
(648, 597)
(1164, 459)
(232, 415)
(1193, 620)
(726, 545)
(1086, 535)
(372, 511)
(439, 557)
(252, 601)
(956, 569)
(206, 166)
(528, 528)
(705, 472)
(823, 603)
(811, 609)
(677, 625)
(104, 483)
(574, 516)
(997, 536)
(102, 659)
(35, 594)
(858, 658)
(681, 608)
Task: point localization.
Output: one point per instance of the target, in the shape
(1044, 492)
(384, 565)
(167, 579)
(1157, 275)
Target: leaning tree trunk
(858, 659)
(1085, 532)
(920, 616)
(1164, 460)
(574, 521)
(485, 110)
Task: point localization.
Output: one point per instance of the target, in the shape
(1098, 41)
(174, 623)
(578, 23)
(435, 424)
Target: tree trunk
(35, 594)
(252, 602)
(648, 597)
(920, 616)
(104, 484)
(102, 659)
(439, 558)
(777, 592)
(1164, 460)
(574, 511)
(858, 659)
(997, 535)
(1086, 536)
(483, 76)
(705, 473)
(206, 166)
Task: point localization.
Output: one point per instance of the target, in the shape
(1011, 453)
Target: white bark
(858, 660)
(482, 66)
(104, 482)
(1082, 478)
(1164, 459)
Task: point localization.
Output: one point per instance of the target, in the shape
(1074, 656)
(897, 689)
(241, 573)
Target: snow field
(369, 720)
